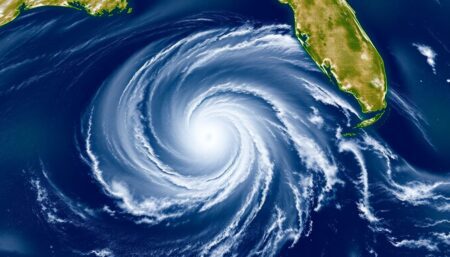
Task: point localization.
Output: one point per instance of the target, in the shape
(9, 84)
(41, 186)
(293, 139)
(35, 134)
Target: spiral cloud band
(228, 141)
(212, 122)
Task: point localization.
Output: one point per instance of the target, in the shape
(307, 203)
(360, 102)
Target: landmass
(10, 9)
(331, 34)
(328, 30)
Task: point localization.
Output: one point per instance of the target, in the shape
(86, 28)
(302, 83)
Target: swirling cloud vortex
(212, 133)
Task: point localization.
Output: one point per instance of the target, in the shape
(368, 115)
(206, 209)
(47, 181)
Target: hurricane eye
(209, 137)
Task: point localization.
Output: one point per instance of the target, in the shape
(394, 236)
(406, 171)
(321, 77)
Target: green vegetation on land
(10, 9)
(331, 34)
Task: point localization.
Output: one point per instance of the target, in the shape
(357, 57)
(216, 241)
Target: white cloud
(101, 253)
(417, 244)
(429, 53)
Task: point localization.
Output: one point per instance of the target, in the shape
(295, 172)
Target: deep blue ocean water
(202, 128)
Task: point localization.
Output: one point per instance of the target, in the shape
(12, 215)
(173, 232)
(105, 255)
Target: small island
(331, 34)
(10, 9)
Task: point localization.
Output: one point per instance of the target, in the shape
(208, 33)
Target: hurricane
(231, 119)
(223, 138)
(197, 129)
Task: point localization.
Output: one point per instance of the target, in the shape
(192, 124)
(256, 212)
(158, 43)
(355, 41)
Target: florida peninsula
(331, 34)
(10, 9)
